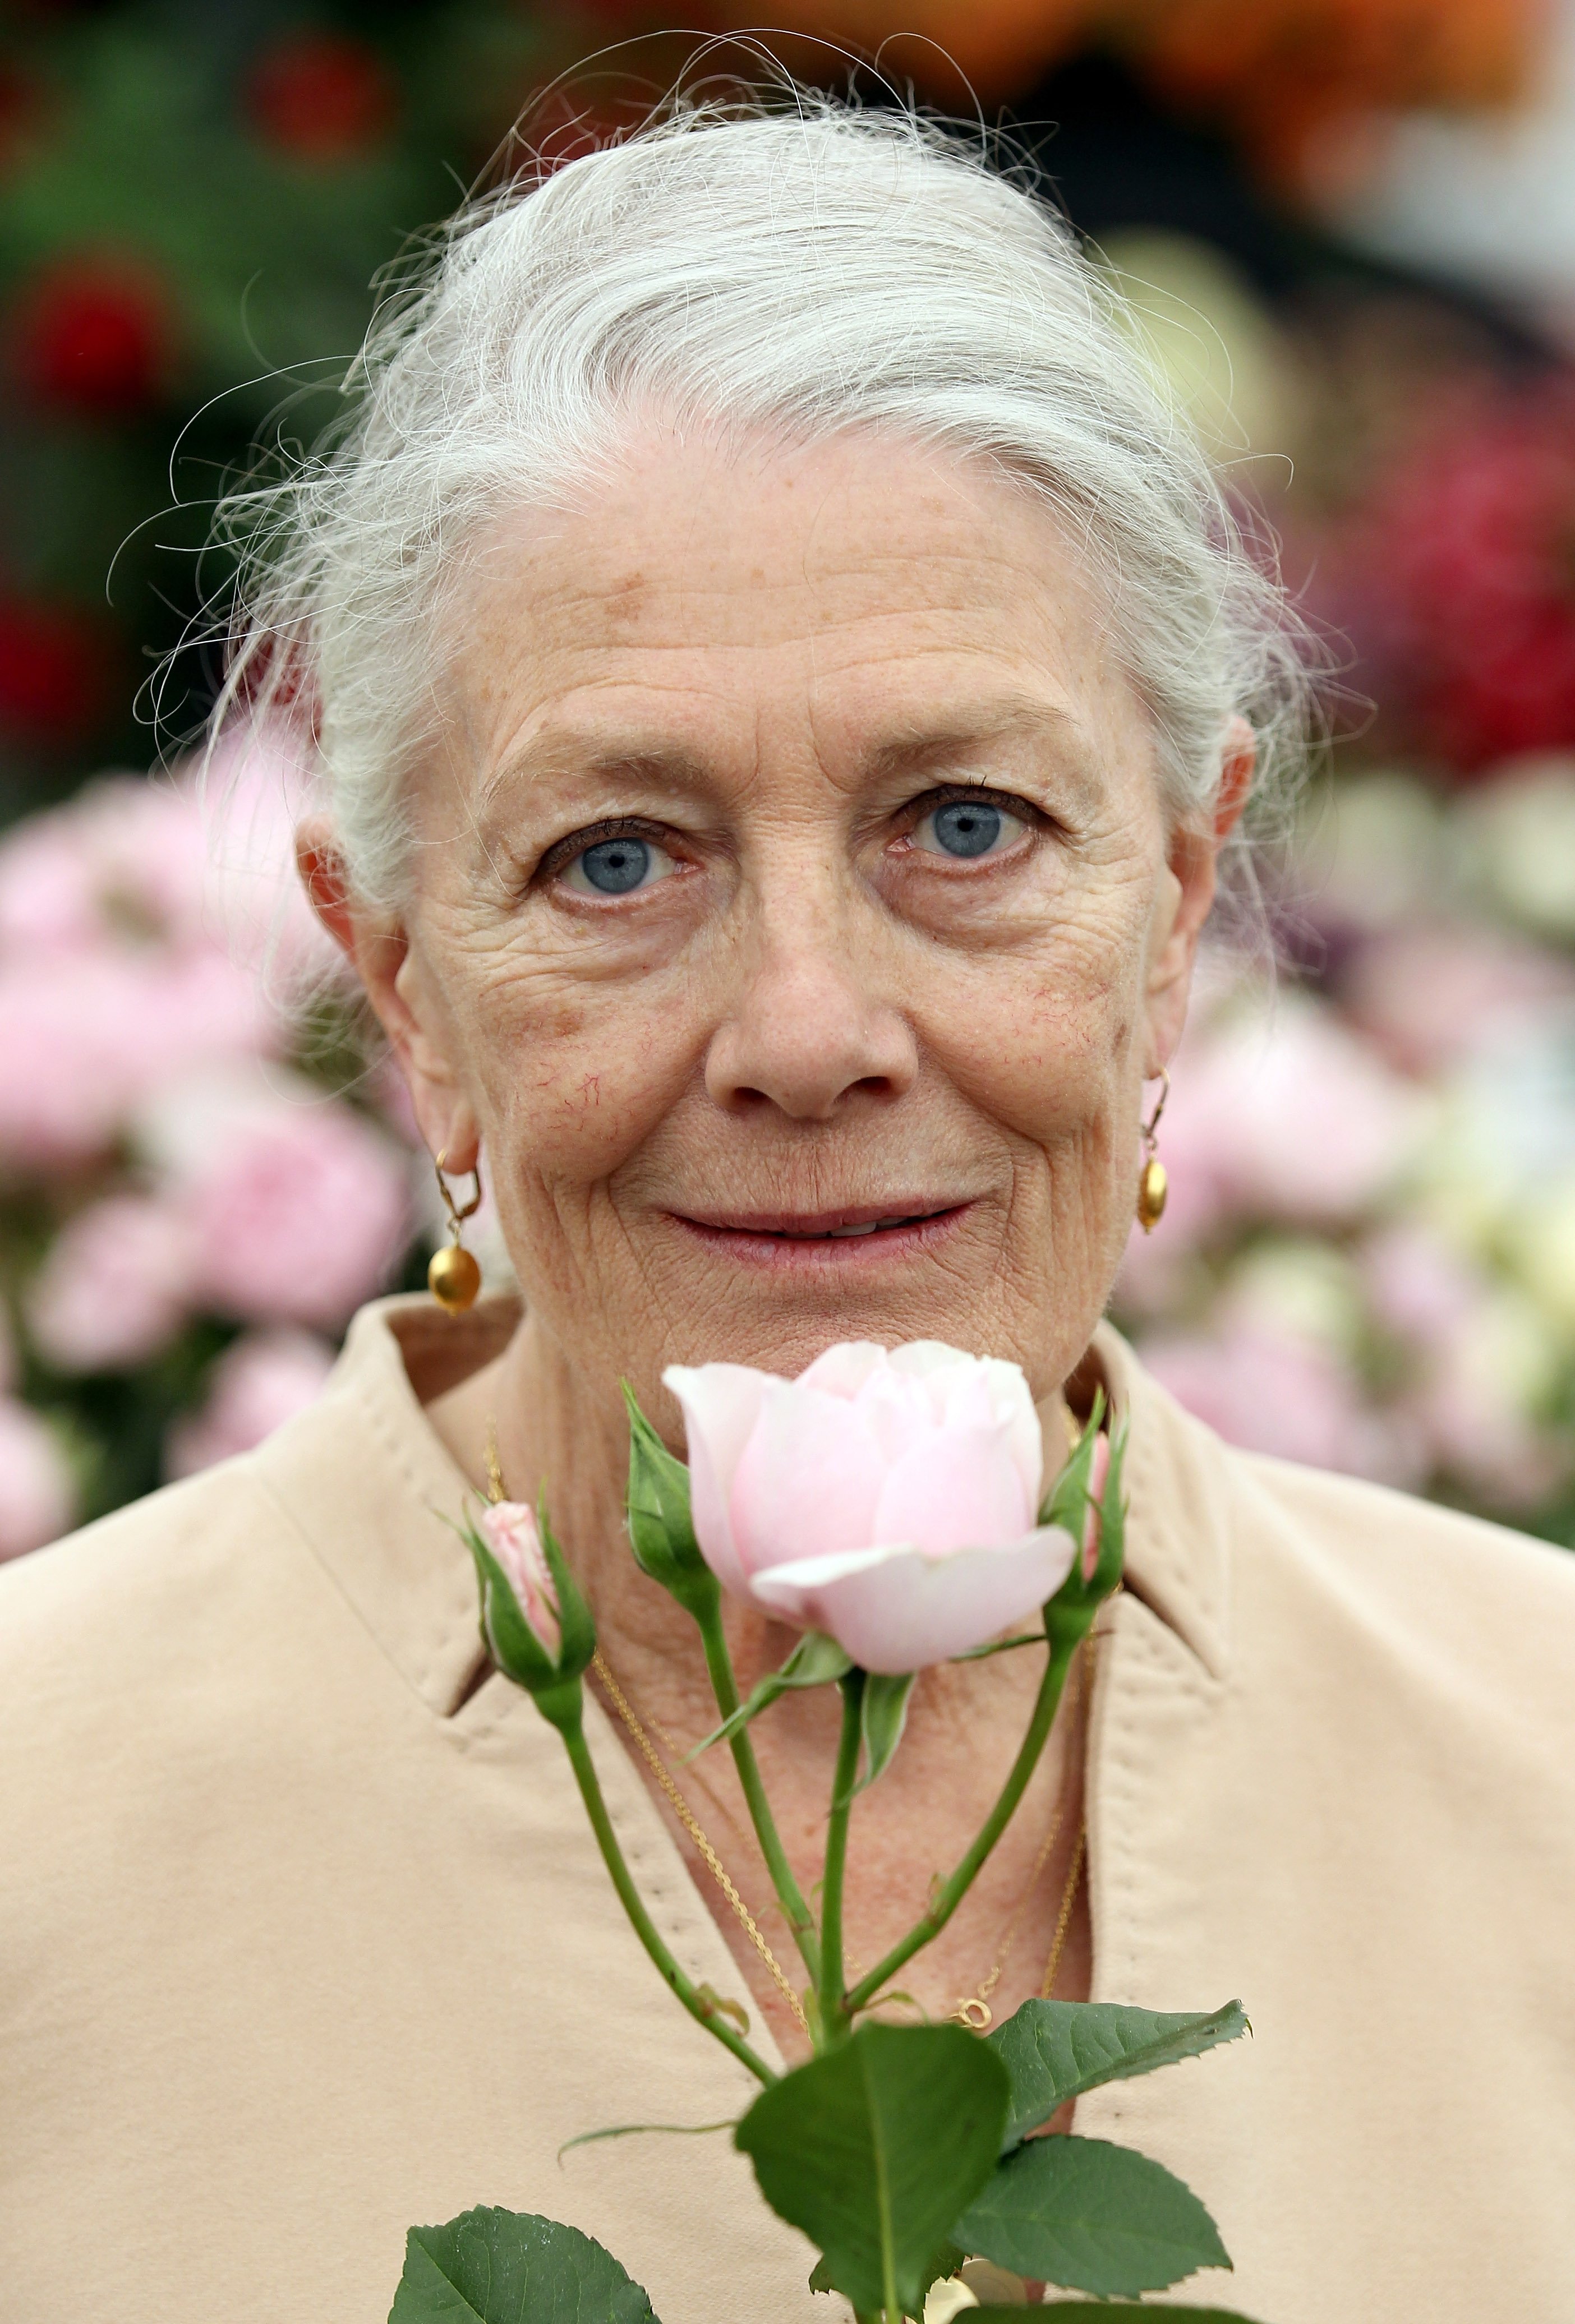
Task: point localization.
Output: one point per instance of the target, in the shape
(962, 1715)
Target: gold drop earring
(1152, 1184)
(453, 1276)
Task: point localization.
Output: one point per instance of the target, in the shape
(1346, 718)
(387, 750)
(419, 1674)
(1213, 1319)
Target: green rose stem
(1065, 1638)
(832, 2016)
(724, 1687)
(703, 2011)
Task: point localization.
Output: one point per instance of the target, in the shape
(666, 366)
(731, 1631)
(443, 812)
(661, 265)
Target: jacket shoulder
(134, 1589)
(1480, 1595)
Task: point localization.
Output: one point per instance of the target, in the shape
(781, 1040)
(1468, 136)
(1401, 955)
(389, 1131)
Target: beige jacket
(303, 1939)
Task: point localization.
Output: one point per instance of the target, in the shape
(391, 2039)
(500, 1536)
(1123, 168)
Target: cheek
(1041, 1038)
(573, 1078)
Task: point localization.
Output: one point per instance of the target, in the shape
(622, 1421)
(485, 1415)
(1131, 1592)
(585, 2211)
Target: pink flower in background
(258, 1384)
(1431, 996)
(1298, 1120)
(125, 863)
(1282, 1394)
(297, 1214)
(1417, 1287)
(890, 1498)
(509, 1530)
(85, 1039)
(256, 788)
(37, 1500)
(115, 1287)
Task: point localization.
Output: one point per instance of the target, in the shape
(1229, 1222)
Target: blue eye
(615, 867)
(966, 828)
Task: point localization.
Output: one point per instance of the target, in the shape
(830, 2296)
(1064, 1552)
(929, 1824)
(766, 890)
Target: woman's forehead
(899, 593)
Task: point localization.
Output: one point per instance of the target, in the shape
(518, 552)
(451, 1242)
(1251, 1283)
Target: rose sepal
(1070, 1613)
(552, 1681)
(661, 1527)
(1067, 1502)
(816, 1660)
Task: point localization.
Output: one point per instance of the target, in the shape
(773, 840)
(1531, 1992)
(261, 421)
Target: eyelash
(565, 851)
(1021, 810)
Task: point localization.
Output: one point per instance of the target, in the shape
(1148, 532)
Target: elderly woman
(785, 686)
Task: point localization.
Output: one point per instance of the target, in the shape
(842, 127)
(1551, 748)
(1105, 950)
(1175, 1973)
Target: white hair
(797, 274)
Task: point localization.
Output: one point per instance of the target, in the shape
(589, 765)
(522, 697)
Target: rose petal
(720, 1404)
(808, 1481)
(843, 1369)
(953, 1492)
(895, 1609)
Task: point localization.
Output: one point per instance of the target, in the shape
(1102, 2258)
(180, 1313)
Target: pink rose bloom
(125, 861)
(115, 1287)
(299, 1213)
(85, 1039)
(37, 1502)
(258, 1384)
(889, 1499)
(509, 1530)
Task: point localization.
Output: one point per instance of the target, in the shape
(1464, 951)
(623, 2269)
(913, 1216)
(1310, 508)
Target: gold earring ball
(454, 1278)
(1153, 1186)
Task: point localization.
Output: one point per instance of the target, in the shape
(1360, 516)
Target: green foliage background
(130, 136)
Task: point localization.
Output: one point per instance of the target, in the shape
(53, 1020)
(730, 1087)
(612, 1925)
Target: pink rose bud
(509, 1531)
(889, 1499)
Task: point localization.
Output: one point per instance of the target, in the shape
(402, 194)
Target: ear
(1187, 896)
(379, 948)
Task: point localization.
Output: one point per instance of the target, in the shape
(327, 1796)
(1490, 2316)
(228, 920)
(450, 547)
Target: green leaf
(512, 2267)
(1093, 2217)
(661, 1528)
(944, 2263)
(815, 1661)
(883, 1716)
(1055, 2049)
(874, 2148)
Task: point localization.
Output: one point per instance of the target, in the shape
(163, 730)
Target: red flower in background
(95, 334)
(55, 667)
(321, 97)
(1461, 581)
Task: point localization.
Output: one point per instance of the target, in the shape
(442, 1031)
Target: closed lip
(850, 1219)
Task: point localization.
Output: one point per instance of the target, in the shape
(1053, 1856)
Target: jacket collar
(367, 1481)
(1179, 1495)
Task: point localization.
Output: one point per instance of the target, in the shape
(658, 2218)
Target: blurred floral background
(1349, 226)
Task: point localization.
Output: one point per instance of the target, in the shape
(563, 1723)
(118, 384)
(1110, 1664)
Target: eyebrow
(916, 751)
(908, 750)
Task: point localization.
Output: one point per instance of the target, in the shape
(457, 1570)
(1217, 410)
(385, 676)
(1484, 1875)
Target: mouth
(882, 1230)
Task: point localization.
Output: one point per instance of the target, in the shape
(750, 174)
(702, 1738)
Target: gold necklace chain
(973, 2010)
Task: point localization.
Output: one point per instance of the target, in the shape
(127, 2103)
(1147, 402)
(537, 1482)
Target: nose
(809, 1029)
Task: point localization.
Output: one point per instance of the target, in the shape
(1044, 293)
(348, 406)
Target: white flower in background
(1539, 1240)
(1517, 836)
